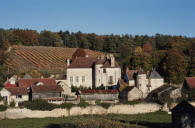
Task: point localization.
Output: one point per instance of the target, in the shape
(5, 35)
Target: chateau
(93, 72)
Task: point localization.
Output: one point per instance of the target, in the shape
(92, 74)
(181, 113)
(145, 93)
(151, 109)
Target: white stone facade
(93, 72)
(79, 77)
(146, 85)
(106, 76)
(13, 98)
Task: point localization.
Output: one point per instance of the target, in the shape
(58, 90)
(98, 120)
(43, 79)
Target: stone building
(93, 72)
(146, 82)
(15, 94)
(183, 115)
(130, 93)
(41, 91)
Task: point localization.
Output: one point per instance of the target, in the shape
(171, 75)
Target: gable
(5, 92)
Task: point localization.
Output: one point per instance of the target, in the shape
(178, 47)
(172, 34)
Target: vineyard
(53, 59)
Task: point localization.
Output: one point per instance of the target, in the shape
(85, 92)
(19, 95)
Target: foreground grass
(160, 119)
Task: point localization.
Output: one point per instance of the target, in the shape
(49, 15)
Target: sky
(136, 17)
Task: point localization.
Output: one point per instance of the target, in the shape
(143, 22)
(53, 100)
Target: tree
(141, 59)
(192, 63)
(3, 37)
(173, 66)
(47, 38)
(25, 37)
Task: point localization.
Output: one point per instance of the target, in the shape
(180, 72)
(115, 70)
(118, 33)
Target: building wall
(134, 94)
(155, 83)
(45, 95)
(100, 97)
(142, 84)
(104, 77)
(131, 82)
(79, 72)
(6, 93)
(11, 98)
(17, 100)
(98, 73)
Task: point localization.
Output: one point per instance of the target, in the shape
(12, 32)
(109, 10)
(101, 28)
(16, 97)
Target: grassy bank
(150, 120)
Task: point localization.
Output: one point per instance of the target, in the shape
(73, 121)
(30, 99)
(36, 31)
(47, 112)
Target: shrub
(12, 104)
(83, 104)
(3, 107)
(132, 102)
(1, 98)
(105, 105)
(67, 105)
(38, 105)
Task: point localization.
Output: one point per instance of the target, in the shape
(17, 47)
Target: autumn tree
(48, 38)
(173, 66)
(24, 37)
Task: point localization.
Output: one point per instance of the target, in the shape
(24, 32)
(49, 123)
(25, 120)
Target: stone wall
(16, 113)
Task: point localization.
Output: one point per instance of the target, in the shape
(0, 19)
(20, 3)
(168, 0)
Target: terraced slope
(27, 58)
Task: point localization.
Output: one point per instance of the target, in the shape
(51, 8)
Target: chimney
(68, 62)
(112, 59)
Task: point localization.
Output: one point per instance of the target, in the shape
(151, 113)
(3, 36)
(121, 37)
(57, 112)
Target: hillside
(53, 59)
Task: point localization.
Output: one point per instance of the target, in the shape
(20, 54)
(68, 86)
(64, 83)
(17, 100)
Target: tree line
(172, 56)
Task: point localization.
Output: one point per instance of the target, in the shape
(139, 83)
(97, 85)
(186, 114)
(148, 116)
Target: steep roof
(131, 74)
(17, 90)
(107, 64)
(29, 82)
(82, 62)
(184, 107)
(44, 88)
(190, 81)
(162, 88)
(154, 75)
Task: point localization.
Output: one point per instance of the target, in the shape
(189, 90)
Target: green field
(150, 120)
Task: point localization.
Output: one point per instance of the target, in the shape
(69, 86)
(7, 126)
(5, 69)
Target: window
(71, 79)
(111, 80)
(18, 96)
(104, 70)
(77, 79)
(83, 79)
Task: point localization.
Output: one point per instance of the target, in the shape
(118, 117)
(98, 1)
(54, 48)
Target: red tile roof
(82, 62)
(29, 82)
(107, 64)
(17, 90)
(43, 88)
(99, 91)
(190, 81)
(87, 62)
(7, 84)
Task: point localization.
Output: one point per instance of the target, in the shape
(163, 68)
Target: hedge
(3, 107)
